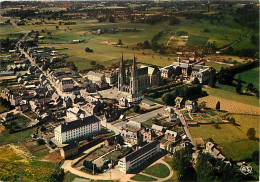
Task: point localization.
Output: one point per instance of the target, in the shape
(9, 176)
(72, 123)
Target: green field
(231, 139)
(6, 138)
(197, 41)
(250, 76)
(105, 53)
(245, 43)
(158, 170)
(140, 177)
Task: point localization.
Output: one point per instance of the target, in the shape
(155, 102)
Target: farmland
(231, 139)
(106, 54)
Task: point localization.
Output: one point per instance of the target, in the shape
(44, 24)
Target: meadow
(231, 139)
(250, 76)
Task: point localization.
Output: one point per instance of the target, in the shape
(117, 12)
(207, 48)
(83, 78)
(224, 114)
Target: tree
(93, 63)
(71, 65)
(120, 42)
(255, 156)
(250, 87)
(174, 20)
(168, 99)
(218, 106)
(251, 133)
(57, 27)
(40, 141)
(182, 164)
(88, 49)
(136, 108)
(58, 175)
(195, 81)
(178, 71)
(111, 19)
(239, 87)
(212, 79)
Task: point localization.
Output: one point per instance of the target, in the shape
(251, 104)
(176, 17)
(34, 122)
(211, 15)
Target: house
(157, 128)
(123, 102)
(94, 107)
(15, 99)
(6, 73)
(173, 117)
(148, 135)
(178, 101)
(131, 133)
(133, 98)
(76, 129)
(75, 41)
(191, 106)
(167, 71)
(171, 135)
(69, 150)
(67, 102)
(66, 84)
(212, 150)
(56, 98)
(147, 103)
(95, 77)
(92, 87)
(75, 113)
(114, 140)
(139, 157)
(9, 116)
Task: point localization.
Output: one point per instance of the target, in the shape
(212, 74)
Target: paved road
(185, 127)
(148, 115)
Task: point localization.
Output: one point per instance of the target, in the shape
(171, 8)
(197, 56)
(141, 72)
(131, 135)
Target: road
(148, 115)
(185, 127)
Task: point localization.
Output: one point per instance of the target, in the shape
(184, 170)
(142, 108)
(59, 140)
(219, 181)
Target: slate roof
(141, 151)
(76, 124)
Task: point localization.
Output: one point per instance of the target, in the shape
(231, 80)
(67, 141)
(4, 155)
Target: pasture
(231, 139)
(250, 76)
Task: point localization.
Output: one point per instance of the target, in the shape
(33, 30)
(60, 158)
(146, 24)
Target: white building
(76, 129)
(140, 156)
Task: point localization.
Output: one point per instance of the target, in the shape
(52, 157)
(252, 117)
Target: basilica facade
(133, 79)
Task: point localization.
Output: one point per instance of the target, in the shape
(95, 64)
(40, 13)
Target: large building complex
(70, 131)
(138, 78)
(140, 156)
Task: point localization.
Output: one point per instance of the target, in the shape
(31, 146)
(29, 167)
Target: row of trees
(183, 91)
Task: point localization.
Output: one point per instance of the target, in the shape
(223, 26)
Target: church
(135, 79)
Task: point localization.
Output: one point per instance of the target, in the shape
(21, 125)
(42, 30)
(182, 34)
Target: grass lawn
(6, 138)
(250, 76)
(245, 43)
(158, 170)
(231, 139)
(140, 177)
